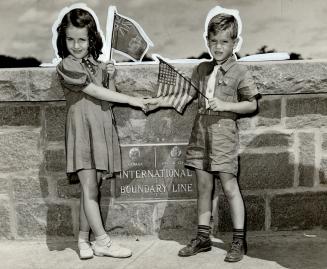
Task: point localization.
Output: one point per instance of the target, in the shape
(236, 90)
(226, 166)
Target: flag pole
(172, 67)
(110, 31)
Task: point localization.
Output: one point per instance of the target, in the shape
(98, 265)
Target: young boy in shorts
(213, 146)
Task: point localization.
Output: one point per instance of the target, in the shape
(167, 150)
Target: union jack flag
(129, 38)
(174, 87)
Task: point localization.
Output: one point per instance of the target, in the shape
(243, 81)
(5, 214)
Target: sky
(175, 27)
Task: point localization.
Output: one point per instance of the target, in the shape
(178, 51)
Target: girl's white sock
(83, 236)
(102, 240)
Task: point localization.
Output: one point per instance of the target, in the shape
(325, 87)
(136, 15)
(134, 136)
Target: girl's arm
(243, 107)
(116, 97)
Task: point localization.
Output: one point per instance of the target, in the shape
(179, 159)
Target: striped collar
(88, 57)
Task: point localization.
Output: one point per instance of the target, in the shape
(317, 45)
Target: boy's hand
(111, 69)
(152, 104)
(218, 105)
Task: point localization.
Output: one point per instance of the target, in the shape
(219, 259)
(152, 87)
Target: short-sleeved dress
(91, 136)
(213, 144)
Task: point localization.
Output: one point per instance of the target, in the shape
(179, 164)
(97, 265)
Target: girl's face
(77, 41)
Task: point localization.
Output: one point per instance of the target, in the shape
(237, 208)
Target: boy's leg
(236, 204)
(202, 242)
(214, 209)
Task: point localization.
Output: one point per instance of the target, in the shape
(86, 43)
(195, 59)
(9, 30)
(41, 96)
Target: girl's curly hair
(79, 18)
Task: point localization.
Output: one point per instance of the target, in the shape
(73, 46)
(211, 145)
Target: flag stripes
(173, 87)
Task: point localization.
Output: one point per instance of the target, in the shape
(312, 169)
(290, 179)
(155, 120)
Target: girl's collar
(88, 57)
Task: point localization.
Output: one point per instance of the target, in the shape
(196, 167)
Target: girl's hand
(218, 105)
(153, 103)
(111, 69)
(141, 102)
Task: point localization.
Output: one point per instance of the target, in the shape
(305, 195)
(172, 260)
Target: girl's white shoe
(85, 250)
(111, 250)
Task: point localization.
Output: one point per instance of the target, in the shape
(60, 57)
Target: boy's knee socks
(203, 231)
(238, 234)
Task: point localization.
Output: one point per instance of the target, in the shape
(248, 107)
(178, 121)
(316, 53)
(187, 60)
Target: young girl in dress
(91, 139)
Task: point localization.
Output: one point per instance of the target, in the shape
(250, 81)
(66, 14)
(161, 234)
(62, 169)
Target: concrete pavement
(275, 250)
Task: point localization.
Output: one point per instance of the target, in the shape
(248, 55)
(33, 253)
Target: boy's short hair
(223, 22)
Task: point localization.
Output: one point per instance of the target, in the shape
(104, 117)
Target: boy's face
(221, 45)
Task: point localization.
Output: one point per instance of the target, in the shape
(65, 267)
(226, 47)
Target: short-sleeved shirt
(213, 145)
(91, 137)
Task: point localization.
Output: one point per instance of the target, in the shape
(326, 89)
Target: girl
(91, 138)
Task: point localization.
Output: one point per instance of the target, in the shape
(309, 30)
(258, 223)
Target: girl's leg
(205, 186)
(90, 211)
(85, 251)
(90, 188)
(83, 223)
(234, 197)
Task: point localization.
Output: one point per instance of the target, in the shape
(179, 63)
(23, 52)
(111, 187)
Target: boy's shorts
(213, 145)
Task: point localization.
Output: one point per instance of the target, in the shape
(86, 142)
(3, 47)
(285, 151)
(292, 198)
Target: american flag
(174, 87)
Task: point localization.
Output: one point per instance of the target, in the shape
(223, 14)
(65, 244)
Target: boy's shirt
(233, 83)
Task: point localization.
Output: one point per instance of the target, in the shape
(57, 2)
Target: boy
(212, 150)
(213, 146)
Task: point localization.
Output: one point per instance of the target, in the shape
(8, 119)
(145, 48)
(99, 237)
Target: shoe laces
(194, 242)
(236, 246)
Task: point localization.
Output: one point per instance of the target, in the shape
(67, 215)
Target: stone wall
(283, 160)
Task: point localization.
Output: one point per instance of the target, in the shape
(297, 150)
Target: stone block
(306, 159)
(255, 213)
(4, 184)
(306, 112)
(55, 160)
(45, 85)
(266, 170)
(299, 211)
(244, 123)
(40, 219)
(55, 118)
(301, 106)
(155, 172)
(66, 189)
(267, 139)
(5, 220)
(290, 77)
(14, 85)
(19, 149)
(269, 111)
(174, 216)
(128, 219)
(166, 125)
(323, 171)
(29, 187)
(324, 142)
(18, 115)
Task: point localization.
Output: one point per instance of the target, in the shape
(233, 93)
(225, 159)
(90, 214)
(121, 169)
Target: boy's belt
(221, 114)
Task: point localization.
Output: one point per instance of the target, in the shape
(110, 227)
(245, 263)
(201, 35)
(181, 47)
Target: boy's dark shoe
(195, 246)
(236, 251)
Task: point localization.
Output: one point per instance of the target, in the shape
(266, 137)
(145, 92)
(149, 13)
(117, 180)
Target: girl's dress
(91, 136)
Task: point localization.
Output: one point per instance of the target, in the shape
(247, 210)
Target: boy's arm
(243, 107)
(247, 93)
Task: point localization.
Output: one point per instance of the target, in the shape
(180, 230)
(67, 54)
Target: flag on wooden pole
(126, 36)
(174, 87)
